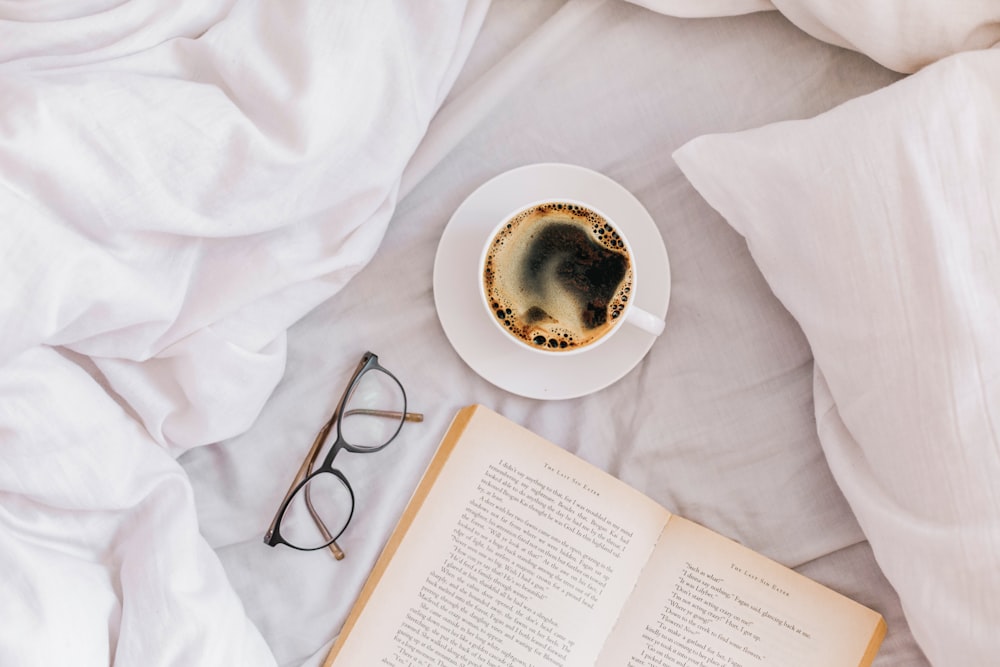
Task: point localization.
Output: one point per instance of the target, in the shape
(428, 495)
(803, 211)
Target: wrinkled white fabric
(103, 560)
(179, 183)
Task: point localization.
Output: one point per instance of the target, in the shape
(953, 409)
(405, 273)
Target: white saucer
(483, 346)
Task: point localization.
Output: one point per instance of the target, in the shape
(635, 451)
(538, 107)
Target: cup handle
(644, 320)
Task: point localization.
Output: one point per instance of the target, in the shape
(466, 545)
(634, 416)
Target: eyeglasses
(320, 502)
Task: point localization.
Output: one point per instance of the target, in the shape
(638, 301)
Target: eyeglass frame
(307, 472)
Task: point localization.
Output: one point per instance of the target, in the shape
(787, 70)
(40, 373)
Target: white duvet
(180, 183)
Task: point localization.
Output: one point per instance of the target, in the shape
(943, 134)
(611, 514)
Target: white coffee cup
(559, 277)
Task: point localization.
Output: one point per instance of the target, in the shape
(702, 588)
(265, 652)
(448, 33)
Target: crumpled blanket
(179, 183)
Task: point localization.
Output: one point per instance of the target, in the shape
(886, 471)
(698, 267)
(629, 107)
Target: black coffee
(558, 276)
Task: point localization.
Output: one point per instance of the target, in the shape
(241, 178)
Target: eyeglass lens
(373, 413)
(318, 512)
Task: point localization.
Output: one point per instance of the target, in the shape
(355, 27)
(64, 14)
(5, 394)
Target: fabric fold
(180, 185)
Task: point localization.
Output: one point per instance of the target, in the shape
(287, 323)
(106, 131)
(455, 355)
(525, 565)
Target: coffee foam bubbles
(557, 276)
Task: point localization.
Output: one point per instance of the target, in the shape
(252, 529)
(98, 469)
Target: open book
(514, 551)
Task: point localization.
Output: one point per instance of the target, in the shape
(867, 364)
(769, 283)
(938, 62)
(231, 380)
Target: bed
(213, 209)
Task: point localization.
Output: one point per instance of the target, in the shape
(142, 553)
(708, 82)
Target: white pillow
(903, 35)
(878, 226)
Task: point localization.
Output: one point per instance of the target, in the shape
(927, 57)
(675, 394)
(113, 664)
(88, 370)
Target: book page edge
(444, 450)
(874, 643)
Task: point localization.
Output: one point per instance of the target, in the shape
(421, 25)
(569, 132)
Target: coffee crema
(557, 276)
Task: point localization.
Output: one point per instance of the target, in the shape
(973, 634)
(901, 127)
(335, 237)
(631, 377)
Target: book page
(520, 554)
(707, 601)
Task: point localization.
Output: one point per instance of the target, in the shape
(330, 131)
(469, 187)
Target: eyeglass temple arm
(394, 414)
(334, 548)
(304, 468)
(307, 463)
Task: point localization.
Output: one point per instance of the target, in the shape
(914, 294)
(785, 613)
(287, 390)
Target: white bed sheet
(177, 336)
(716, 423)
